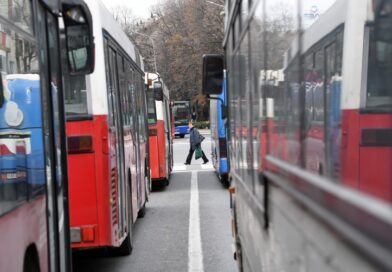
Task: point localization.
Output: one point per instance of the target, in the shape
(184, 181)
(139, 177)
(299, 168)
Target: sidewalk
(205, 132)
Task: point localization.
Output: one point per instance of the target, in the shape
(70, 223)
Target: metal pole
(213, 3)
(153, 48)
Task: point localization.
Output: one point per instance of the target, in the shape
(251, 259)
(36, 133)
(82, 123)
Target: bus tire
(142, 211)
(182, 135)
(127, 245)
(225, 181)
(31, 260)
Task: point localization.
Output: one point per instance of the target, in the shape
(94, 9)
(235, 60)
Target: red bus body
(107, 145)
(160, 132)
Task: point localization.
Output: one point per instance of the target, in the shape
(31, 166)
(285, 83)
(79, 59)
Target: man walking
(195, 139)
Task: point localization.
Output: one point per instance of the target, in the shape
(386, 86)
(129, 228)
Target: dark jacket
(195, 138)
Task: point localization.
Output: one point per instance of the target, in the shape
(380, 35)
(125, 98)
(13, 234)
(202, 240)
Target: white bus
(107, 141)
(311, 154)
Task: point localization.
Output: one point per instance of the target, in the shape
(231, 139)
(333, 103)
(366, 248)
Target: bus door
(116, 141)
(168, 132)
(136, 140)
(139, 125)
(47, 31)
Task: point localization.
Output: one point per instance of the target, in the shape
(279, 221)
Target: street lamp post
(153, 48)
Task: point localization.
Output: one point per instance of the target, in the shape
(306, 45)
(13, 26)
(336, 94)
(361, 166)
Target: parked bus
(33, 182)
(182, 117)
(313, 186)
(160, 127)
(219, 134)
(107, 141)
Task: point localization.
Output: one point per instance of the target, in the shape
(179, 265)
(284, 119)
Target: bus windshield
(181, 115)
(151, 111)
(76, 97)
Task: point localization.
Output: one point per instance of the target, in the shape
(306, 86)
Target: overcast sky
(140, 8)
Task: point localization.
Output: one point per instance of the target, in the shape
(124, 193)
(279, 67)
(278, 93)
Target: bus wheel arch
(31, 260)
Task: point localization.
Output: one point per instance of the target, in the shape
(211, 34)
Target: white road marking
(207, 166)
(187, 143)
(179, 168)
(195, 254)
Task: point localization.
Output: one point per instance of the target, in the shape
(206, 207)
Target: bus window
(379, 71)
(76, 97)
(21, 172)
(151, 112)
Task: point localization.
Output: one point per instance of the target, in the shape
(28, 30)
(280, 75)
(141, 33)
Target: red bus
(107, 141)
(160, 126)
(33, 180)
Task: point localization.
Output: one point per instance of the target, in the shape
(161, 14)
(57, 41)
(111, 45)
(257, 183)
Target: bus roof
(107, 22)
(335, 16)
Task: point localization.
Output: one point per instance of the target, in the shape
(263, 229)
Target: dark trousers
(190, 155)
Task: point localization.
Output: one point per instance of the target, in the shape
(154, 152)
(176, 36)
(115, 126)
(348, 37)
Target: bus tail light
(80, 144)
(88, 234)
(222, 148)
(153, 132)
(82, 234)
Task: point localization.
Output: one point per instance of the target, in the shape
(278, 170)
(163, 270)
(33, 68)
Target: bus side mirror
(212, 74)
(79, 38)
(158, 91)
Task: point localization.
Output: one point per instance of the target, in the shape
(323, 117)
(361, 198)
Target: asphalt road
(187, 226)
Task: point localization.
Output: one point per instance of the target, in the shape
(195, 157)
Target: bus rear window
(76, 97)
(379, 85)
(151, 112)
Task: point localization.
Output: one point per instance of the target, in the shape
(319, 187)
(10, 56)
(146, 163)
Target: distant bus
(34, 218)
(107, 141)
(182, 116)
(160, 126)
(219, 135)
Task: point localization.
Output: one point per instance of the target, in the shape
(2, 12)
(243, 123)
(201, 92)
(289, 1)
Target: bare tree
(181, 32)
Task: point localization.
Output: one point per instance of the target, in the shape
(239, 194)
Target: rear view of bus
(107, 141)
(182, 114)
(160, 129)
(219, 134)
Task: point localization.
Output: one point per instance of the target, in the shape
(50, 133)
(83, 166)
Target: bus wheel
(142, 211)
(127, 245)
(182, 135)
(225, 181)
(31, 263)
(167, 181)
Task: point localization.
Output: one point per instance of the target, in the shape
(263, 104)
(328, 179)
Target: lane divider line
(195, 253)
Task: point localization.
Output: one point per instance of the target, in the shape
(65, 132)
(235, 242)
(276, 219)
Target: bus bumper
(181, 130)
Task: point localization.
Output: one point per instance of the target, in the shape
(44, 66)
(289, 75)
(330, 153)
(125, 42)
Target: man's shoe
(206, 162)
(187, 163)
